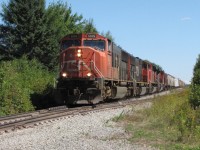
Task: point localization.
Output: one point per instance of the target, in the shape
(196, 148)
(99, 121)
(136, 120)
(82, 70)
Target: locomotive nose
(77, 63)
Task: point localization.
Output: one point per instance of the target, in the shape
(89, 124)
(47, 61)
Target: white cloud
(185, 18)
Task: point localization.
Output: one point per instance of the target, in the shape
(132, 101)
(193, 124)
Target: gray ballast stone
(94, 131)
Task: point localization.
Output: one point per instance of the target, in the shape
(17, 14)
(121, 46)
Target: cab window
(69, 43)
(97, 44)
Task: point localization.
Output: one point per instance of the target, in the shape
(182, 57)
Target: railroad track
(16, 122)
(31, 119)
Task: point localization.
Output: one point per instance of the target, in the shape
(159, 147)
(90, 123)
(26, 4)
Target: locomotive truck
(94, 69)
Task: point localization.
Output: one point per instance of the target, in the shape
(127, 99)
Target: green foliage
(26, 32)
(89, 27)
(24, 20)
(177, 114)
(196, 77)
(108, 35)
(194, 96)
(61, 20)
(170, 120)
(19, 81)
(186, 120)
(197, 65)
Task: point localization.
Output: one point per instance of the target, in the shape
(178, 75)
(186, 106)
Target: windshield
(68, 43)
(97, 44)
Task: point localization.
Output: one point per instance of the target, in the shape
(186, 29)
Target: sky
(166, 32)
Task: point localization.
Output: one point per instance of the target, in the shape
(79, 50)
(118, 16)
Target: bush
(186, 121)
(194, 96)
(20, 79)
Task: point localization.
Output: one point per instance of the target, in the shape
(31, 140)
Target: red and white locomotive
(93, 69)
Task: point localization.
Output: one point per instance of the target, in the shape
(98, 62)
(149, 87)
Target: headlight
(64, 74)
(89, 74)
(79, 52)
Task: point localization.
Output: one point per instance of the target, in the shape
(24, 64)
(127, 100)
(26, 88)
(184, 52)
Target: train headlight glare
(89, 74)
(64, 74)
(79, 54)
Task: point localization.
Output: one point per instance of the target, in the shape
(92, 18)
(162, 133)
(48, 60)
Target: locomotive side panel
(132, 69)
(123, 71)
(138, 69)
(116, 62)
(127, 67)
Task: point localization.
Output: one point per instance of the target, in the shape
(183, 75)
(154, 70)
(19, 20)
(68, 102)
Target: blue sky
(166, 32)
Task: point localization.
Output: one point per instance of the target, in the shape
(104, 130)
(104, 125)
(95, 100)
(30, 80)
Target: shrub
(185, 120)
(194, 96)
(20, 79)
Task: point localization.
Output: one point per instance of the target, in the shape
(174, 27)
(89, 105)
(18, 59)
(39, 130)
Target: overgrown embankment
(171, 123)
(23, 83)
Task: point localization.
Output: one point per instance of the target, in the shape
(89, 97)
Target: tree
(27, 32)
(25, 20)
(194, 96)
(89, 27)
(6, 53)
(197, 65)
(61, 20)
(108, 35)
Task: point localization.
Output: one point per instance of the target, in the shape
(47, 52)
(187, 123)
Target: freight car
(94, 69)
(179, 83)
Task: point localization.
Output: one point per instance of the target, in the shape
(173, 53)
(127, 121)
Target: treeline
(29, 50)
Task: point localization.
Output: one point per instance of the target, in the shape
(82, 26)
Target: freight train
(94, 69)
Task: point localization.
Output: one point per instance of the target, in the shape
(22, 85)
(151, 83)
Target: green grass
(170, 123)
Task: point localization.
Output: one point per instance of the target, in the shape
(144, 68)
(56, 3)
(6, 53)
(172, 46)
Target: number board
(74, 36)
(91, 35)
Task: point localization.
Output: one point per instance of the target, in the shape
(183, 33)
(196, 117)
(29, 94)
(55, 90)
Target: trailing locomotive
(93, 69)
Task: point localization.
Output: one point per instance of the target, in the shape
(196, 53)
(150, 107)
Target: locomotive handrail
(98, 71)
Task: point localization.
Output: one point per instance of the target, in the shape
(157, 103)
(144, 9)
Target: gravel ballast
(94, 131)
